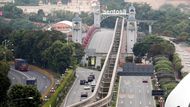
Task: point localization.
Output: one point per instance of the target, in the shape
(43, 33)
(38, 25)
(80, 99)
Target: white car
(86, 87)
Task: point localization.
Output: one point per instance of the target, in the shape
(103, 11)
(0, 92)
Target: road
(184, 53)
(18, 77)
(42, 81)
(134, 93)
(75, 92)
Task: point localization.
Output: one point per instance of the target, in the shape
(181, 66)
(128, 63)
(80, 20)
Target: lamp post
(6, 44)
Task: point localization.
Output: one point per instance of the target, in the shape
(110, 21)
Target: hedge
(61, 91)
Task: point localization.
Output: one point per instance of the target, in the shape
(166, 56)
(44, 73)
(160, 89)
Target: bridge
(103, 93)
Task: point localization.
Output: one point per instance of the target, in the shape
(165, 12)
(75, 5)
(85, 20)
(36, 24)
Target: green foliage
(11, 11)
(59, 56)
(140, 49)
(21, 24)
(159, 66)
(61, 91)
(154, 46)
(19, 96)
(5, 83)
(177, 63)
(168, 88)
(26, 2)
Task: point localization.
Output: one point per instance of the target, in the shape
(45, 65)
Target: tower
(97, 14)
(131, 30)
(77, 29)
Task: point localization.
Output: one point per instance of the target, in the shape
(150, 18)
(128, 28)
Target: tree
(59, 56)
(140, 49)
(79, 52)
(5, 83)
(11, 11)
(24, 96)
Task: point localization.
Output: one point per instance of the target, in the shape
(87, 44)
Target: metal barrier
(94, 100)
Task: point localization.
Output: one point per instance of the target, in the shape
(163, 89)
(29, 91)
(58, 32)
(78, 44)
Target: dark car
(92, 75)
(84, 94)
(90, 78)
(145, 81)
(82, 82)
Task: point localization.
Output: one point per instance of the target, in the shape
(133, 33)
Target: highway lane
(134, 93)
(18, 77)
(42, 81)
(75, 92)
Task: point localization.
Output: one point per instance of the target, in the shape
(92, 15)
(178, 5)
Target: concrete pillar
(150, 28)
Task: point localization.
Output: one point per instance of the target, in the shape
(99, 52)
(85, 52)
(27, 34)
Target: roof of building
(136, 69)
(65, 22)
(180, 96)
(101, 41)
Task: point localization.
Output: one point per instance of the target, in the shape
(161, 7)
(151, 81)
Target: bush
(60, 92)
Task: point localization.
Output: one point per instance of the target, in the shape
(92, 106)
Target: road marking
(130, 102)
(44, 77)
(140, 102)
(13, 78)
(45, 86)
(121, 102)
(139, 91)
(149, 103)
(148, 92)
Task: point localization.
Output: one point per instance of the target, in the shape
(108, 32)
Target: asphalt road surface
(134, 93)
(18, 77)
(42, 81)
(75, 92)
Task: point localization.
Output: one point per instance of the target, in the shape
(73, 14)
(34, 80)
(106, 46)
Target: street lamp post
(5, 44)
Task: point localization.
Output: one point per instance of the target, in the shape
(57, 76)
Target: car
(82, 82)
(52, 90)
(90, 78)
(87, 87)
(84, 94)
(145, 81)
(92, 75)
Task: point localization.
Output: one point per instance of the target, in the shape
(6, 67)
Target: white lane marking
(44, 77)
(149, 103)
(139, 91)
(130, 102)
(45, 86)
(140, 102)
(147, 91)
(121, 102)
(13, 78)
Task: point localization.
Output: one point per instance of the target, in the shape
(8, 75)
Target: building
(63, 26)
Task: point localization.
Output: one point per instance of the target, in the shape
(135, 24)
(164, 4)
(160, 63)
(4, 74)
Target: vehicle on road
(145, 81)
(31, 81)
(90, 78)
(84, 94)
(52, 90)
(21, 64)
(82, 82)
(87, 87)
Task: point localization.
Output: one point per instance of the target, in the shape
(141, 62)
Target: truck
(21, 64)
(31, 81)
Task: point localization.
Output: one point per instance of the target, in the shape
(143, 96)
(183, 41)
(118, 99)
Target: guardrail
(92, 99)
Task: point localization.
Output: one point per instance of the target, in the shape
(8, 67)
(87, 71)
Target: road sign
(157, 92)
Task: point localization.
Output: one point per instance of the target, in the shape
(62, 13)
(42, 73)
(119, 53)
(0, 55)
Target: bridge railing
(92, 98)
(108, 98)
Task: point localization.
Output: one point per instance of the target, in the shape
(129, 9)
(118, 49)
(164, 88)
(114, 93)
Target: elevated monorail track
(102, 94)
